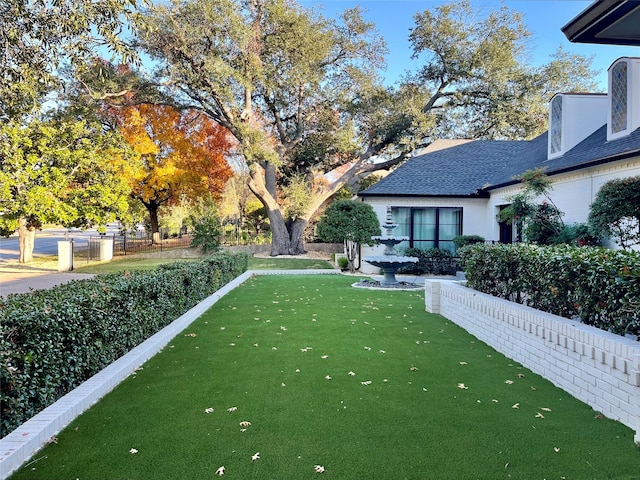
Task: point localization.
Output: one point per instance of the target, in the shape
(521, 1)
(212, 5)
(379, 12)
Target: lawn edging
(19, 445)
(597, 367)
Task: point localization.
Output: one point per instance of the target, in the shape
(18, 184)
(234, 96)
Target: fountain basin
(390, 265)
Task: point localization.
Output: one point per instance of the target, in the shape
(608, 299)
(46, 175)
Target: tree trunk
(152, 209)
(296, 235)
(280, 240)
(26, 240)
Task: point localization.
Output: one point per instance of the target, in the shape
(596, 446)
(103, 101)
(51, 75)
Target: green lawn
(363, 383)
(120, 264)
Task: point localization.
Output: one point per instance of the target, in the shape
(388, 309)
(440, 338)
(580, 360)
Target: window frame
(619, 116)
(555, 127)
(437, 240)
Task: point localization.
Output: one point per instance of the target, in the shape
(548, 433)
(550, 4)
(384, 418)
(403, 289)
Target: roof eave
(479, 194)
(573, 168)
(594, 25)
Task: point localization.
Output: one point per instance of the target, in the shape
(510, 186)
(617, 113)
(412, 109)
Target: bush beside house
(53, 340)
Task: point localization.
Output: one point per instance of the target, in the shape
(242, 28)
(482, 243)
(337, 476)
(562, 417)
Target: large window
(555, 133)
(619, 98)
(428, 227)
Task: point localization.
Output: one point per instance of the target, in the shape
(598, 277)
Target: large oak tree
(302, 96)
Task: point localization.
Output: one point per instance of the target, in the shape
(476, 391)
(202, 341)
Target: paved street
(46, 242)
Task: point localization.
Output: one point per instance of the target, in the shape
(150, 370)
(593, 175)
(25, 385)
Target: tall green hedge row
(53, 340)
(600, 286)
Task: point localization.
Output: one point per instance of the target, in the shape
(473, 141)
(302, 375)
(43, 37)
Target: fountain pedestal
(390, 262)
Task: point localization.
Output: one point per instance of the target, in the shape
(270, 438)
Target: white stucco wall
(572, 192)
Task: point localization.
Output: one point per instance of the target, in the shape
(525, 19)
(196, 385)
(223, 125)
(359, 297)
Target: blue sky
(543, 18)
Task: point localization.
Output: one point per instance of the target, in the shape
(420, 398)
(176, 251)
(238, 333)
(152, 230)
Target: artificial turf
(361, 382)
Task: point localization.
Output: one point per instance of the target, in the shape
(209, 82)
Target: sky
(543, 18)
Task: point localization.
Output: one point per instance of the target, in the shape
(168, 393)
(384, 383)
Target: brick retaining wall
(597, 367)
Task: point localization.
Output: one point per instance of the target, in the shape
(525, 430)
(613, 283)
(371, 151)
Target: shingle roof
(473, 168)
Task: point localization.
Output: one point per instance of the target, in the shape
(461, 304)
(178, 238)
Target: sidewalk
(17, 278)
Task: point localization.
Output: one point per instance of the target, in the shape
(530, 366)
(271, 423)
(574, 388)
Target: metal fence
(138, 243)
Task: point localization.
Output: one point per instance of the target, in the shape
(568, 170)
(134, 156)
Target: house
(458, 187)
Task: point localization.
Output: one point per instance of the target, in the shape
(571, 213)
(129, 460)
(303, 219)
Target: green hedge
(53, 340)
(600, 286)
(432, 261)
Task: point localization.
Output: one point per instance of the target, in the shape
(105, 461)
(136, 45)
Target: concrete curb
(19, 445)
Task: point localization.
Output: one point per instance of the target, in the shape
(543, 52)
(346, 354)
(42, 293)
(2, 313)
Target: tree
(538, 223)
(60, 172)
(292, 87)
(351, 222)
(302, 97)
(37, 37)
(182, 153)
(474, 69)
(615, 212)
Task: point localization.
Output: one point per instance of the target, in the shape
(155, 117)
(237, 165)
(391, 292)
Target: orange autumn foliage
(182, 153)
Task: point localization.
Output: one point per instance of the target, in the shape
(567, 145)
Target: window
(428, 227)
(619, 97)
(555, 128)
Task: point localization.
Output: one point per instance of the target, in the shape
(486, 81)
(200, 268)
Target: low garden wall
(597, 367)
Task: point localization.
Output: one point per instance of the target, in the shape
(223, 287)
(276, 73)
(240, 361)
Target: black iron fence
(136, 243)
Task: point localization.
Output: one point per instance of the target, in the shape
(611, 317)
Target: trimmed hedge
(432, 261)
(53, 340)
(600, 286)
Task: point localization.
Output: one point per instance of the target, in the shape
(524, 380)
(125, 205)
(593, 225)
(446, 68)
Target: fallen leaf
(255, 456)
(133, 451)
(220, 471)
(319, 468)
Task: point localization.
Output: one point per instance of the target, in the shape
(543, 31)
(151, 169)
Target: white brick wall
(597, 367)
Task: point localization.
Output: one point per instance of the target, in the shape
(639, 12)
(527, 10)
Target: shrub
(206, 226)
(577, 234)
(464, 240)
(432, 261)
(615, 212)
(53, 340)
(343, 263)
(600, 286)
